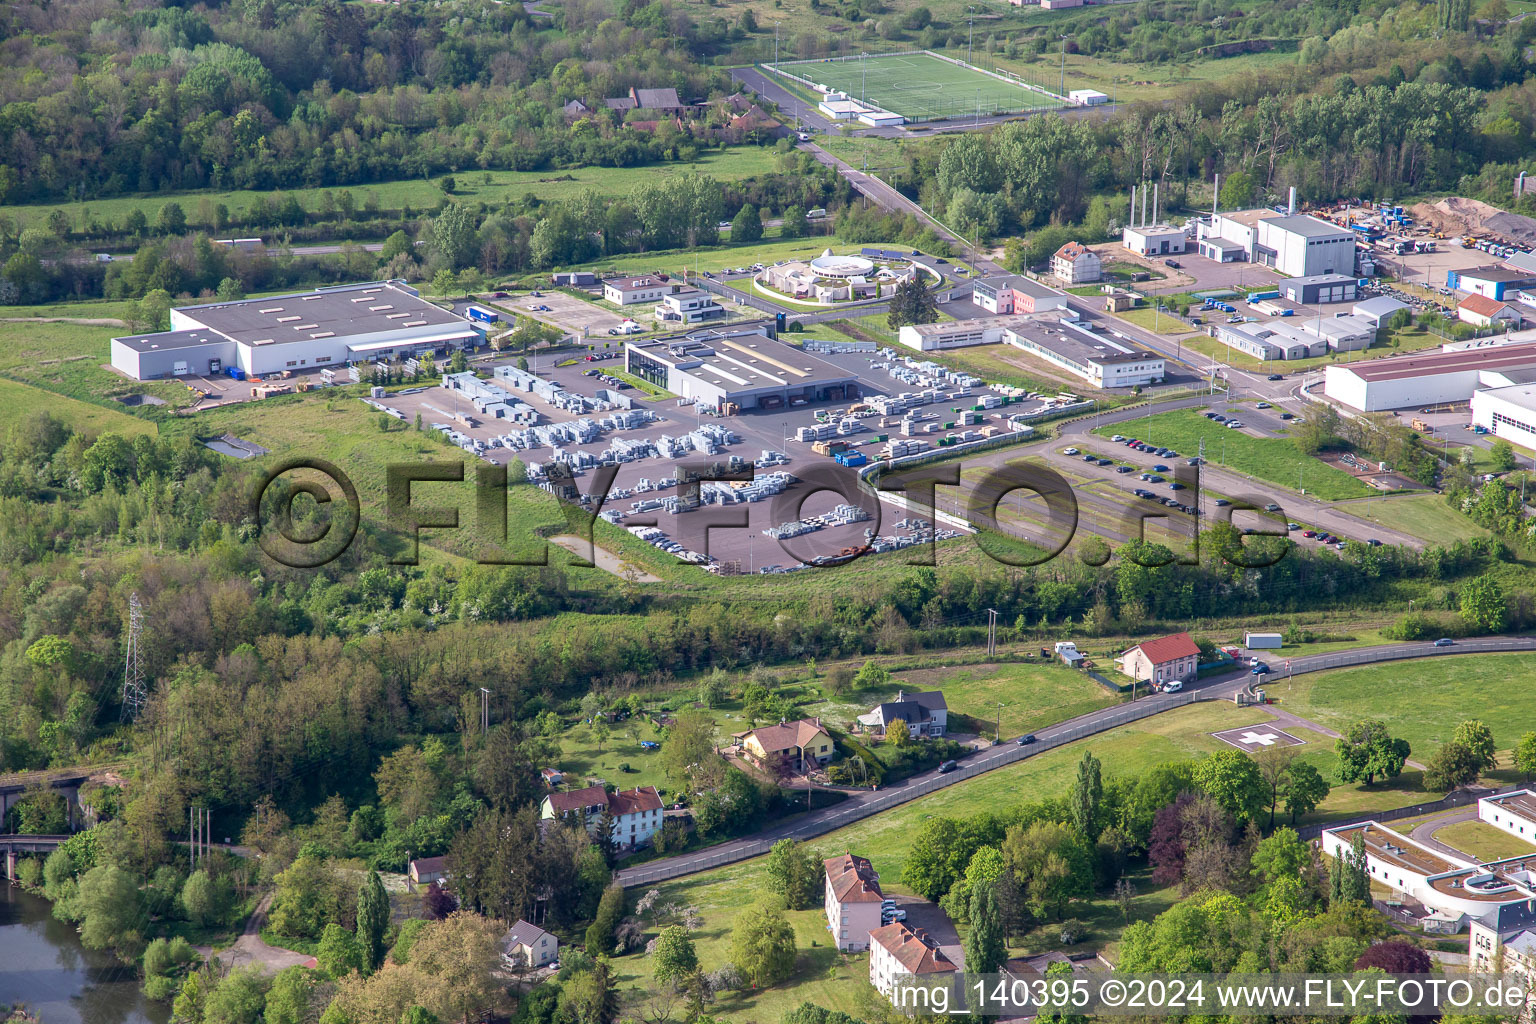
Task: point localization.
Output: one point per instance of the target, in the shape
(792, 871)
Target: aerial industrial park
(723, 513)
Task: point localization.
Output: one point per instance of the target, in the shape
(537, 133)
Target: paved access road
(866, 804)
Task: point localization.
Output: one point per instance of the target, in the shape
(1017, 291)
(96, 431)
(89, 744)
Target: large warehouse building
(302, 331)
(1508, 412)
(1296, 244)
(744, 368)
(1417, 380)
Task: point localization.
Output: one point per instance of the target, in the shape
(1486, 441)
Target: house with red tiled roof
(1481, 311)
(802, 744)
(1075, 263)
(1163, 660)
(852, 900)
(637, 813)
(898, 954)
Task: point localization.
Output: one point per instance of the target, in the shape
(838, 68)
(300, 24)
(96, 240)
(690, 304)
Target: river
(43, 965)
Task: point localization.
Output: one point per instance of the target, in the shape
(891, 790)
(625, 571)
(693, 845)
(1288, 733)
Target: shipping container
(1261, 641)
(485, 316)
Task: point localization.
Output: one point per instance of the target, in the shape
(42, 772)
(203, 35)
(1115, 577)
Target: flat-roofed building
(1300, 245)
(1319, 289)
(1155, 240)
(300, 331)
(1507, 412)
(1455, 889)
(688, 306)
(1431, 378)
(742, 367)
(1491, 282)
(986, 330)
(1015, 293)
(626, 291)
(1095, 356)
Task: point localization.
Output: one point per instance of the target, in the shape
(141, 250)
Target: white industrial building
(1077, 346)
(745, 368)
(1087, 97)
(1379, 310)
(1508, 412)
(986, 330)
(327, 327)
(1399, 382)
(1295, 244)
(1148, 236)
(1300, 245)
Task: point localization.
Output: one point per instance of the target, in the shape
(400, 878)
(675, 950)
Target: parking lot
(576, 316)
(1195, 273)
(827, 512)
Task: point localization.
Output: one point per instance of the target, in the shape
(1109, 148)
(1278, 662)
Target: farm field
(1445, 691)
(1276, 460)
(1423, 515)
(492, 187)
(920, 86)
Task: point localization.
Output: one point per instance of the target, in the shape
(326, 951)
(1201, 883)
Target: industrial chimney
(1291, 206)
(1154, 205)
(1132, 221)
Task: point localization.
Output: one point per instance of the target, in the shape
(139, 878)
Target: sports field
(920, 86)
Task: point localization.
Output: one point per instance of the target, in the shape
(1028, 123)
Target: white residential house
(1481, 311)
(1075, 263)
(637, 813)
(528, 945)
(1162, 660)
(900, 955)
(852, 900)
(688, 306)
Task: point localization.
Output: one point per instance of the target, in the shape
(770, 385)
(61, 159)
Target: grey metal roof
(170, 341)
(1381, 306)
(1308, 226)
(347, 312)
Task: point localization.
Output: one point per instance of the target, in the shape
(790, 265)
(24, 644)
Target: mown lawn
(1422, 700)
(1423, 515)
(73, 360)
(1276, 460)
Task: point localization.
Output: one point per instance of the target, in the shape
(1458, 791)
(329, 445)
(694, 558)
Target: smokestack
(1291, 207)
(1154, 204)
(1132, 221)
(1216, 196)
(1143, 206)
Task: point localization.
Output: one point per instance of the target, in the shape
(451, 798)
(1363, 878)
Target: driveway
(249, 949)
(930, 917)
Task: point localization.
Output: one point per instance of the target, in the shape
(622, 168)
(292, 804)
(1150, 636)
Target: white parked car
(1070, 451)
(1173, 686)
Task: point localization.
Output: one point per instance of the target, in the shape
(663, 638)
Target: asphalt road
(863, 805)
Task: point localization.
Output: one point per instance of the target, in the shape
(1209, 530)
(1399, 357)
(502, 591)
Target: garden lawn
(580, 759)
(1276, 460)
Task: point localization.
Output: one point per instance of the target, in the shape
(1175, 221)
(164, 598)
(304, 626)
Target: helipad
(1254, 738)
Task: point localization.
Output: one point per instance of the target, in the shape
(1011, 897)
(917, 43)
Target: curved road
(864, 805)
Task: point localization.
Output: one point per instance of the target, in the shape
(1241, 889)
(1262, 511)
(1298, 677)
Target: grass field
(491, 187)
(1033, 695)
(1276, 460)
(1423, 515)
(19, 401)
(72, 360)
(920, 86)
(1392, 343)
(1423, 700)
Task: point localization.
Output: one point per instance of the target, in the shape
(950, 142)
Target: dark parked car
(947, 767)
(1221, 502)
(1259, 668)
(1277, 376)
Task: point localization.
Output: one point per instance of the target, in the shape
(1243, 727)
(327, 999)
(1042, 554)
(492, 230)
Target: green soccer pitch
(920, 86)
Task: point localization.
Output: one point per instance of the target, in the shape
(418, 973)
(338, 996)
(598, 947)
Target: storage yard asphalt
(820, 822)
